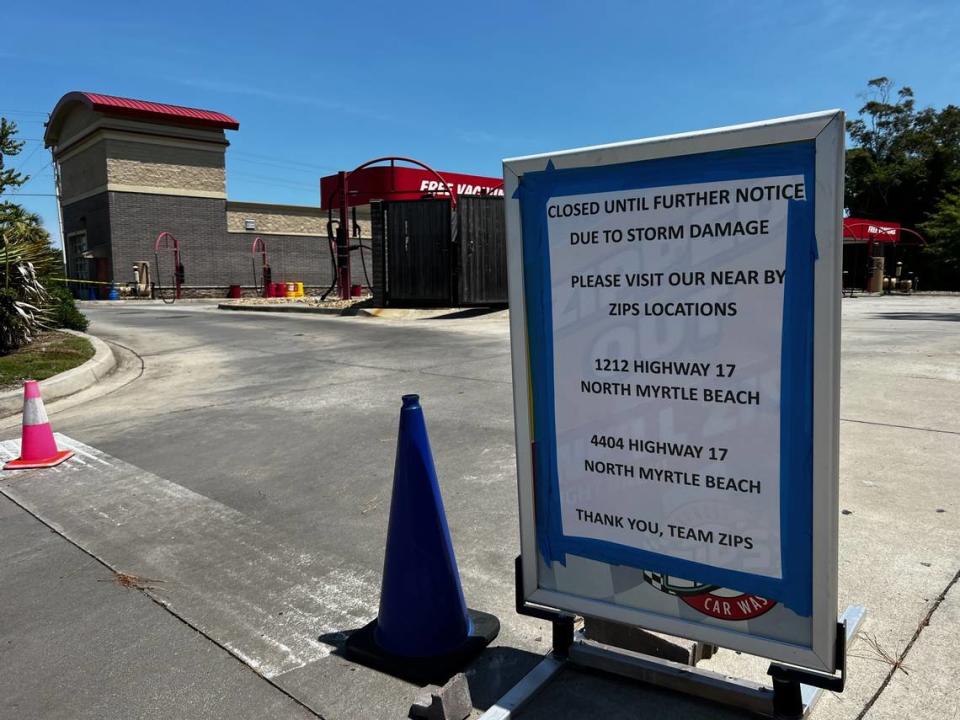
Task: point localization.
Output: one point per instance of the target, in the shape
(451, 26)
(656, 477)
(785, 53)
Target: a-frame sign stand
(792, 695)
(616, 254)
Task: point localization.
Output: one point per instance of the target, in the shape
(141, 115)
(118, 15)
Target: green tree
(903, 165)
(943, 230)
(9, 146)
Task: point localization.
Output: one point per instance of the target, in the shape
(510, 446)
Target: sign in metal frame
(810, 638)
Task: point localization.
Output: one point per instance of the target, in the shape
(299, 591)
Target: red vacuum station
(374, 181)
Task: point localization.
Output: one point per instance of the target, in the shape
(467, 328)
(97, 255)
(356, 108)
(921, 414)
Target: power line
(274, 158)
(45, 176)
(278, 181)
(272, 178)
(53, 195)
(43, 167)
(282, 161)
(39, 172)
(22, 121)
(268, 164)
(26, 160)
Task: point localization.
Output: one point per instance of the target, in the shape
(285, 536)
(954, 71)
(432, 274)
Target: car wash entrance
(438, 239)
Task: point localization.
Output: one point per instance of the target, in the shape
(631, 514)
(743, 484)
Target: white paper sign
(668, 399)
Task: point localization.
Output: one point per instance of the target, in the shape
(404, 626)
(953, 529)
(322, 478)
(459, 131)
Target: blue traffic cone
(424, 631)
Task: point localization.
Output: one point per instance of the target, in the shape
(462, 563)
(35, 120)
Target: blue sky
(321, 86)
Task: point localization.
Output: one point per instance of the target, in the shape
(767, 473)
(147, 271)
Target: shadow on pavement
(933, 316)
(496, 671)
(584, 693)
(490, 676)
(468, 313)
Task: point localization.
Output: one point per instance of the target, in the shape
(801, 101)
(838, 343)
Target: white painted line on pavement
(216, 568)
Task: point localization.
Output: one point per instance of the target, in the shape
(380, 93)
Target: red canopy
(397, 182)
(876, 230)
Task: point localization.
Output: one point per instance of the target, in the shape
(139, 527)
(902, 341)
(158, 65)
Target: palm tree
(25, 257)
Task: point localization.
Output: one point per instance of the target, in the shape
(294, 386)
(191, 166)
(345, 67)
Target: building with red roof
(130, 169)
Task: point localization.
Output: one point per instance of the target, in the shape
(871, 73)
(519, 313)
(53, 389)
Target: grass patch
(49, 354)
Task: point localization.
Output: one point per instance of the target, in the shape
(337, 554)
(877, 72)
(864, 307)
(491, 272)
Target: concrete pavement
(288, 423)
(76, 645)
(297, 432)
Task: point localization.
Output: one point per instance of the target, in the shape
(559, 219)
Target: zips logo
(710, 600)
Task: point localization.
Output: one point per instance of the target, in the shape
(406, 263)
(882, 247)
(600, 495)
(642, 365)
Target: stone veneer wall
(283, 219)
(183, 169)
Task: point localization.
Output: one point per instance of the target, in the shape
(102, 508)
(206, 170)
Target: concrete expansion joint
(901, 427)
(897, 663)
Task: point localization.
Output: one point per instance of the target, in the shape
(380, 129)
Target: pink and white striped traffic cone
(38, 449)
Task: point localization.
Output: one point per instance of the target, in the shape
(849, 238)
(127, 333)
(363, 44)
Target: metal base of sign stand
(793, 694)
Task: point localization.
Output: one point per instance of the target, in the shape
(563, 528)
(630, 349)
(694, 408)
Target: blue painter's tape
(794, 589)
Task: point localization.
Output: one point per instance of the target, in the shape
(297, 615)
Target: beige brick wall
(163, 166)
(84, 172)
(282, 220)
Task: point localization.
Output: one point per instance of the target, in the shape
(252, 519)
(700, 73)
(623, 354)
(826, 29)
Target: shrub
(25, 256)
(21, 306)
(62, 309)
(18, 321)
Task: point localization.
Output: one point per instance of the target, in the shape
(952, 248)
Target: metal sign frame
(826, 130)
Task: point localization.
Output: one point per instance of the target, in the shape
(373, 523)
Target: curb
(283, 309)
(66, 383)
(381, 313)
(434, 313)
(406, 313)
(147, 302)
